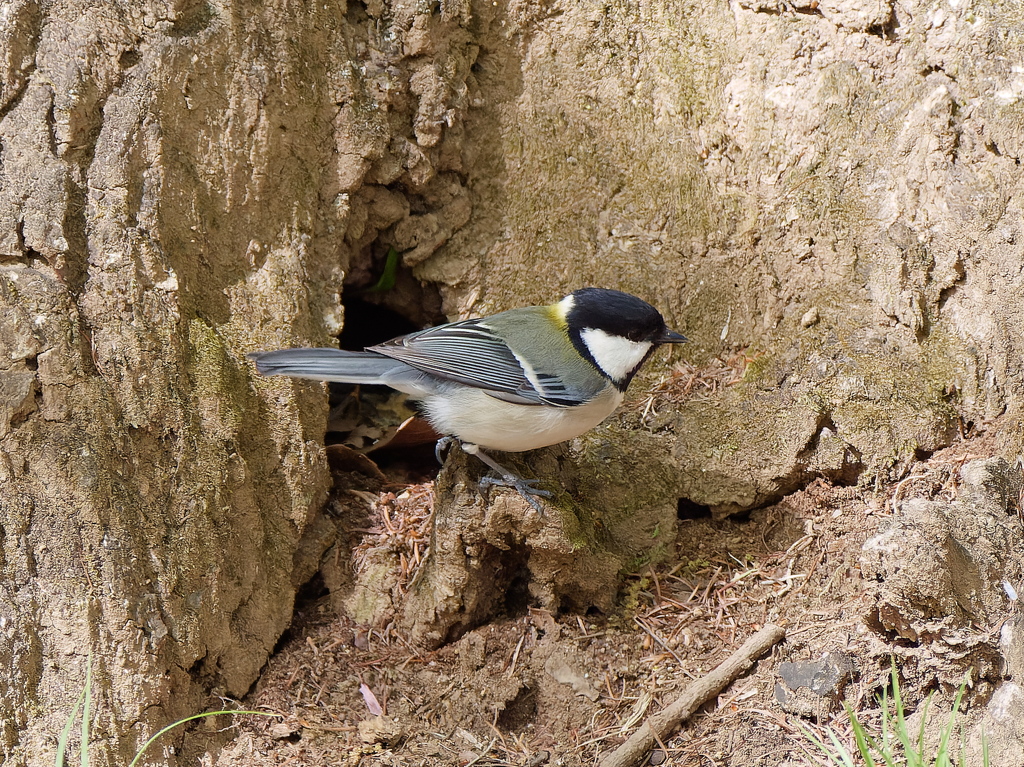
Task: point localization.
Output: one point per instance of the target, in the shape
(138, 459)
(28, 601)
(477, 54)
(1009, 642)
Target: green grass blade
(942, 758)
(915, 754)
(86, 713)
(65, 733)
(187, 719)
(861, 738)
(962, 761)
(389, 276)
(901, 719)
(837, 754)
(886, 736)
(896, 745)
(816, 742)
(845, 756)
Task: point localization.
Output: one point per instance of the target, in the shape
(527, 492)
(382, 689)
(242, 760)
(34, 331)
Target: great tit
(517, 380)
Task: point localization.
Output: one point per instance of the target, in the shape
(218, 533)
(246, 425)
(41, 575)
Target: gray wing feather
(470, 353)
(426, 362)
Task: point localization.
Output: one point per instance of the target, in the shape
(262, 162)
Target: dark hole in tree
(308, 602)
(368, 323)
(687, 509)
(382, 299)
(377, 310)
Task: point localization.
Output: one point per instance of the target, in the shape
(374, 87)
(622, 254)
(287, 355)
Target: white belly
(491, 423)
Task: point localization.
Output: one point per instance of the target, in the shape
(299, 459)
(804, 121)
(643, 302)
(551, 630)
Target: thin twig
(658, 726)
(659, 640)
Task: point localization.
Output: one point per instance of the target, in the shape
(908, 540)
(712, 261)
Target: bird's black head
(618, 314)
(615, 331)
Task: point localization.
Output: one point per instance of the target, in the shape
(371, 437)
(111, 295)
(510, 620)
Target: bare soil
(531, 687)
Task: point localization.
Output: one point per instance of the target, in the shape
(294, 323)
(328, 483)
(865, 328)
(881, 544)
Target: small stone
(810, 317)
(380, 729)
(565, 673)
(991, 482)
(810, 687)
(822, 677)
(541, 757)
(282, 731)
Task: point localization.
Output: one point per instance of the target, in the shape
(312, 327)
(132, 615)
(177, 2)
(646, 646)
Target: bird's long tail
(332, 365)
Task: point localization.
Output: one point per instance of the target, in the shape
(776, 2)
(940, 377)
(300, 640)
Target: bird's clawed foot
(507, 478)
(442, 447)
(525, 488)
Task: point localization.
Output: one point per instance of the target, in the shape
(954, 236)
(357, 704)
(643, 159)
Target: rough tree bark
(178, 186)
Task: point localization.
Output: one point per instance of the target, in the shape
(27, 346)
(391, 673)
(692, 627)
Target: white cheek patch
(615, 355)
(565, 306)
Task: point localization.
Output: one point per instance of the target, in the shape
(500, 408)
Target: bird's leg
(442, 446)
(509, 478)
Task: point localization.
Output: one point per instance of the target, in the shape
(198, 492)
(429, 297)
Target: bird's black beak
(670, 337)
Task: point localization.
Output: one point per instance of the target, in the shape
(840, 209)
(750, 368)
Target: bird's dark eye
(636, 335)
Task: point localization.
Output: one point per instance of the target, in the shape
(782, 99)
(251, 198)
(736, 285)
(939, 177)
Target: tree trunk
(178, 187)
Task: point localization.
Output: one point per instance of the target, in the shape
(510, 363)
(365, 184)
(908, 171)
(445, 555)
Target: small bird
(517, 380)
